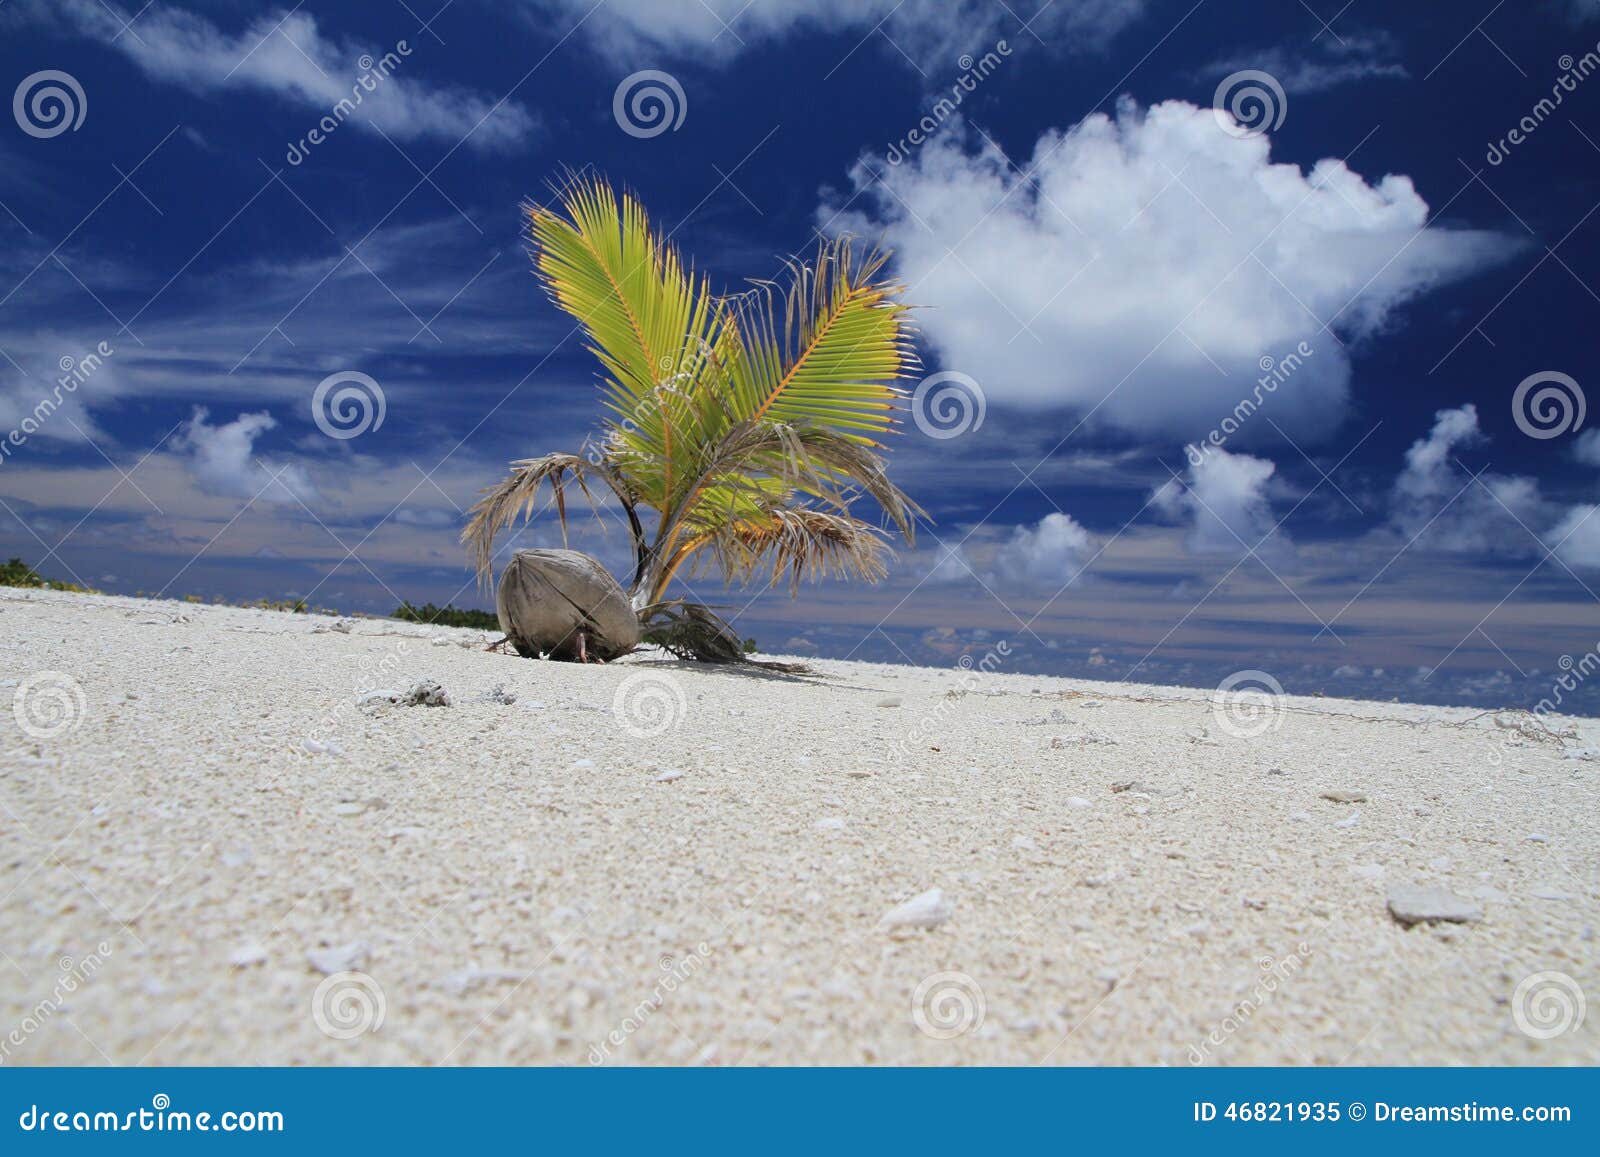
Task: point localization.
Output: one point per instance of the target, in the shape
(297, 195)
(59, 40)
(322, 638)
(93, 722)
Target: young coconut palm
(740, 430)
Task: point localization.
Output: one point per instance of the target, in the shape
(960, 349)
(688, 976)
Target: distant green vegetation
(17, 573)
(446, 616)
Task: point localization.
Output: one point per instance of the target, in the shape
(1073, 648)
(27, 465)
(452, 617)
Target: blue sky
(1389, 239)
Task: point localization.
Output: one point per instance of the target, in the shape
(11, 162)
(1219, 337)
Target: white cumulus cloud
(1050, 553)
(1436, 501)
(1147, 262)
(1587, 448)
(222, 460)
(1225, 502)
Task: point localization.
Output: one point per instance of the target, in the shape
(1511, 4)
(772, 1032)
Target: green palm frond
(647, 318)
(749, 425)
(824, 349)
(821, 462)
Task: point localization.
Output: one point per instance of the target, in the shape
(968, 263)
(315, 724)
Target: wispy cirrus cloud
(927, 31)
(1326, 64)
(286, 54)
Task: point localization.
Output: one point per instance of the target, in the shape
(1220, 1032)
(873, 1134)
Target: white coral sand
(219, 847)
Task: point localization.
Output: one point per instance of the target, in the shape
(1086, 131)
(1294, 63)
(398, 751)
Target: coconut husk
(562, 604)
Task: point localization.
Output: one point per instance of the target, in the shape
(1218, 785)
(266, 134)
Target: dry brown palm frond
(800, 542)
(694, 631)
(501, 505)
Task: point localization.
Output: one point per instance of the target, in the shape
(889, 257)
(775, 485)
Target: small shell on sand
(247, 954)
(427, 693)
(1411, 905)
(342, 958)
(929, 910)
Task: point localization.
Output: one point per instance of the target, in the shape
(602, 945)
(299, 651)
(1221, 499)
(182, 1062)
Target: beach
(276, 843)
